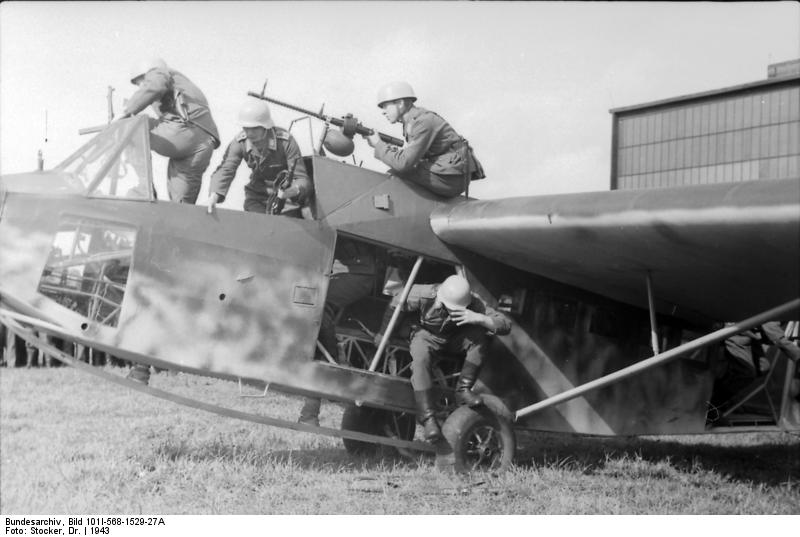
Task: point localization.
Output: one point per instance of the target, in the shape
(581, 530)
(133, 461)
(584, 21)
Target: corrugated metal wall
(736, 136)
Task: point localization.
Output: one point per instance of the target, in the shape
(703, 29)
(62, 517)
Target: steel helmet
(338, 143)
(255, 113)
(454, 293)
(395, 90)
(141, 68)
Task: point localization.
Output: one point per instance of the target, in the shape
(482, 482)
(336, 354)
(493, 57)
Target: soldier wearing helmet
(268, 150)
(454, 321)
(184, 132)
(434, 155)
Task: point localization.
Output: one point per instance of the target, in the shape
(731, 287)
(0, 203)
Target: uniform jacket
(435, 319)
(166, 89)
(430, 143)
(266, 163)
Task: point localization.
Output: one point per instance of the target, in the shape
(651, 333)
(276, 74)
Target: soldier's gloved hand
(213, 199)
(377, 339)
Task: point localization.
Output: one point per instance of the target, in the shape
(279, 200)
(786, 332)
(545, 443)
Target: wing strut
(389, 329)
(659, 359)
(651, 305)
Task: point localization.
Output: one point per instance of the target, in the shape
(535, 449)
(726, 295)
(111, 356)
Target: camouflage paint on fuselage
(241, 295)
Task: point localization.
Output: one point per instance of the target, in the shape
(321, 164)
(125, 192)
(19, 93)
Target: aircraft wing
(724, 251)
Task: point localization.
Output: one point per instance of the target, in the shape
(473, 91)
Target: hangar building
(740, 133)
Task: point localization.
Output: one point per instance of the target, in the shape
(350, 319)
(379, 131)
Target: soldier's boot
(464, 393)
(140, 373)
(426, 416)
(309, 414)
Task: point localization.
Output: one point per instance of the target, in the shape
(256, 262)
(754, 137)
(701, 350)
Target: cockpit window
(115, 163)
(88, 268)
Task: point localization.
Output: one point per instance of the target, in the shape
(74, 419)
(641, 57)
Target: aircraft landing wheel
(479, 439)
(378, 422)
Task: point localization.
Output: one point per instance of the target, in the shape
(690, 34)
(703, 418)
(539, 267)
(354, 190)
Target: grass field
(71, 444)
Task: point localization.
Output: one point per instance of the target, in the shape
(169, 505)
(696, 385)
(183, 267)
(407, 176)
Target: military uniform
(184, 132)
(278, 153)
(434, 155)
(436, 332)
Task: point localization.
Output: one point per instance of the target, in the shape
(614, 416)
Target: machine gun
(283, 181)
(349, 125)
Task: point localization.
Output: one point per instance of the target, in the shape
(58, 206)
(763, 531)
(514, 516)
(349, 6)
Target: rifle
(349, 125)
(284, 180)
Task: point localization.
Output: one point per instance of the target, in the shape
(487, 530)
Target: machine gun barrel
(347, 123)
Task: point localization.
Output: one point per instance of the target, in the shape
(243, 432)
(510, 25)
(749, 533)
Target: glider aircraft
(619, 300)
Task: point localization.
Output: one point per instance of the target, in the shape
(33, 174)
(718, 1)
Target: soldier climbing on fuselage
(184, 132)
(267, 150)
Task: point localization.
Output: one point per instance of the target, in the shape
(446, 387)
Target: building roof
(777, 82)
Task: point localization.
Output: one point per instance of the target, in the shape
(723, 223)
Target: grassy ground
(70, 443)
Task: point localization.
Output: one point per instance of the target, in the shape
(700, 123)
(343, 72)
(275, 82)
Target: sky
(529, 84)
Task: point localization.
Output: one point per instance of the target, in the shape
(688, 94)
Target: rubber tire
(461, 430)
(372, 421)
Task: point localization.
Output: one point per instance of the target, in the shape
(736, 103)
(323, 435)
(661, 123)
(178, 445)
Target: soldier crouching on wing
(184, 132)
(268, 150)
(434, 156)
(454, 321)
(352, 278)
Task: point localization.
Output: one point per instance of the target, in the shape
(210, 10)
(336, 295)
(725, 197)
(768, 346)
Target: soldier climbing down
(452, 320)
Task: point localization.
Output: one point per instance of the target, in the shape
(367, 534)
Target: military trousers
(189, 150)
(469, 340)
(448, 186)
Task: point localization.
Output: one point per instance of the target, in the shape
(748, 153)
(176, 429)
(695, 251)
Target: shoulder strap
(281, 149)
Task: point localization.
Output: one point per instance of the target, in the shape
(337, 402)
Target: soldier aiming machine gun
(333, 141)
